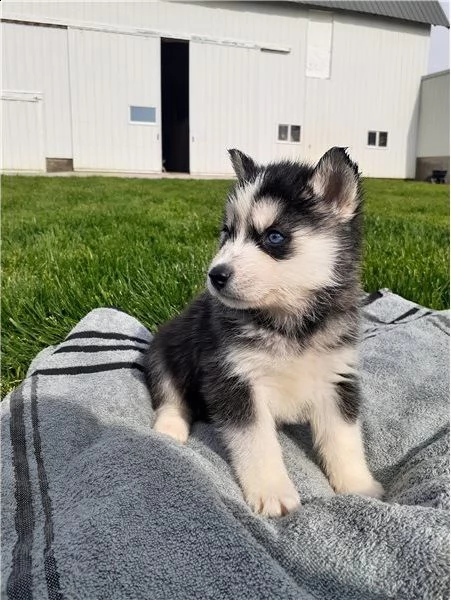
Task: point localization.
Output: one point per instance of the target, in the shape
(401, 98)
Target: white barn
(141, 87)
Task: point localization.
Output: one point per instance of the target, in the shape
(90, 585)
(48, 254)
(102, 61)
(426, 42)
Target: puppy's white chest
(293, 384)
(290, 383)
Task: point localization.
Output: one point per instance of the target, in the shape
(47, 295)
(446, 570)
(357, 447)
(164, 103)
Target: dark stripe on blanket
(83, 369)
(442, 329)
(371, 298)
(50, 567)
(104, 335)
(19, 584)
(409, 313)
(369, 336)
(65, 349)
(444, 319)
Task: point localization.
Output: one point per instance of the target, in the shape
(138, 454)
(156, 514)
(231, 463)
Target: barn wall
(253, 66)
(35, 59)
(374, 86)
(107, 77)
(22, 132)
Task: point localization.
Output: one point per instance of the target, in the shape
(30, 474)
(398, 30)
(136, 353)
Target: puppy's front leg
(256, 457)
(338, 437)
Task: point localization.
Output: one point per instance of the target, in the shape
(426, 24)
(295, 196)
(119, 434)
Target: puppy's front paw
(366, 486)
(272, 498)
(173, 426)
(373, 489)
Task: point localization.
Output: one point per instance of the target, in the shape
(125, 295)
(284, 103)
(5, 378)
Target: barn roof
(419, 11)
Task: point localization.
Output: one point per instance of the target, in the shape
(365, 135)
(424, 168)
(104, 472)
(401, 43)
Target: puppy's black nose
(219, 276)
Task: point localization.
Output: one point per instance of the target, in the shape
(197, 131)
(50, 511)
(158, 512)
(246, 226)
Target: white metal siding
(22, 133)
(433, 132)
(374, 85)
(239, 95)
(264, 21)
(217, 74)
(36, 59)
(108, 73)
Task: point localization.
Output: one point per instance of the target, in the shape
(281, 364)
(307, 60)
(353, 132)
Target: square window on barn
(143, 114)
(383, 138)
(283, 133)
(372, 138)
(295, 133)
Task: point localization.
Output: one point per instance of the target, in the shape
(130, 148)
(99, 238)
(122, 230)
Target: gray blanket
(96, 505)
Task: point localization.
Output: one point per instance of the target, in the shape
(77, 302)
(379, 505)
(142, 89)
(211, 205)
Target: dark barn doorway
(175, 105)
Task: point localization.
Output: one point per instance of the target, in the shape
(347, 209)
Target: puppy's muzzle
(219, 276)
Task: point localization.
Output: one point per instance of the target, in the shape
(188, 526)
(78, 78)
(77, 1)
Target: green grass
(73, 244)
(407, 240)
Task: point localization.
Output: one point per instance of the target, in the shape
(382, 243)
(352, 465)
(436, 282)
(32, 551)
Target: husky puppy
(274, 339)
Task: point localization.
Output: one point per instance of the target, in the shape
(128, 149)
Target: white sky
(439, 46)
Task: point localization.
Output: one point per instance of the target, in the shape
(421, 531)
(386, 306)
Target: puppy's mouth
(228, 299)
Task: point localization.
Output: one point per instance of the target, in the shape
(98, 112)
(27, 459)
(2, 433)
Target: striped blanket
(95, 505)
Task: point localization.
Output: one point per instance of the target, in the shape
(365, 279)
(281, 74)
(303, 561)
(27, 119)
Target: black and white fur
(275, 338)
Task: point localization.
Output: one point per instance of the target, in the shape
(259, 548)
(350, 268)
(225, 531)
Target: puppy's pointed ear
(243, 165)
(335, 181)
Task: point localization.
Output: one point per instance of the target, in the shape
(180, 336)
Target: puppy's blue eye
(275, 238)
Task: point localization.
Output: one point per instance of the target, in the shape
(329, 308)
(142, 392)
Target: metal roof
(436, 74)
(421, 11)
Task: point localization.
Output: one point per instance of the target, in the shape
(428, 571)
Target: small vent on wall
(59, 165)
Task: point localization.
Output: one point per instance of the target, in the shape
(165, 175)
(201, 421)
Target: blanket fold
(95, 505)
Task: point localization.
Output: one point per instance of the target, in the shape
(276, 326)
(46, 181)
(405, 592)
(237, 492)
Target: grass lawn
(73, 244)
